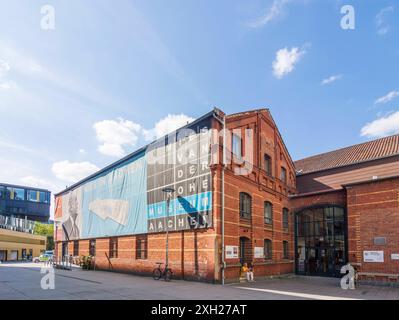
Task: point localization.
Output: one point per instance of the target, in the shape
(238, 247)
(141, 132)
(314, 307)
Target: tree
(47, 230)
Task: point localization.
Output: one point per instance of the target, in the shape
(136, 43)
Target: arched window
(285, 218)
(268, 212)
(268, 164)
(268, 249)
(245, 205)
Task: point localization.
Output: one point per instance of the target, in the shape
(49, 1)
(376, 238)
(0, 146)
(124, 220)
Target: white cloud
(384, 126)
(388, 97)
(331, 79)
(285, 61)
(82, 151)
(115, 134)
(166, 125)
(8, 85)
(382, 27)
(73, 171)
(4, 67)
(275, 10)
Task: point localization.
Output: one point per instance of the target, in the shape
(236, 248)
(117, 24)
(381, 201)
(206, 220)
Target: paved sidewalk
(22, 281)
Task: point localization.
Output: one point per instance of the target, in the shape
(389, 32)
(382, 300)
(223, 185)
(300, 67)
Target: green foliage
(44, 229)
(47, 230)
(86, 262)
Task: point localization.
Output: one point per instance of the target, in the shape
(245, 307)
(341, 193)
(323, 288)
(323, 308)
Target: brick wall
(373, 211)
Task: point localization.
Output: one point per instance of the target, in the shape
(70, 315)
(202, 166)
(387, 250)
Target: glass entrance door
(320, 241)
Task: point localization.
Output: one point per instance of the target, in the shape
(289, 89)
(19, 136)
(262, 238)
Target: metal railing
(16, 224)
(64, 262)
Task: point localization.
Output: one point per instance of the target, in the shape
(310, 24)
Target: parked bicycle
(159, 273)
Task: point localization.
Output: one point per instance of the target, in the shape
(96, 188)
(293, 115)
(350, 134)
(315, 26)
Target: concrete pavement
(22, 281)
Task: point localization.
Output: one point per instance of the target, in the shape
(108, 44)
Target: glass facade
(19, 201)
(321, 241)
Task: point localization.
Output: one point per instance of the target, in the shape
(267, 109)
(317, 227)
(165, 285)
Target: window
(15, 194)
(32, 195)
(2, 192)
(92, 247)
(285, 218)
(285, 250)
(76, 248)
(268, 165)
(237, 146)
(141, 247)
(113, 247)
(268, 212)
(44, 197)
(268, 249)
(283, 176)
(245, 205)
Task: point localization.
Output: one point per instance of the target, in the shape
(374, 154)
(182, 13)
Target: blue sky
(114, 74)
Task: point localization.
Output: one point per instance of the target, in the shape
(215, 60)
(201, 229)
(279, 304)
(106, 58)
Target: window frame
(268, 220)
(283, 174)
(238, 139)
(113, 247)
(142, 250)
(92, 246)
(286, 218)
(286, 249)
(76, 248)
(243, 206)
(267, 164)
(268, 249)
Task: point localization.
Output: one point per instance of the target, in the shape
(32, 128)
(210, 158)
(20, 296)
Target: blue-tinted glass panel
(32, 195)
(43, 197)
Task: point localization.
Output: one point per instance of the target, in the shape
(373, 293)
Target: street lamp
(169, 191)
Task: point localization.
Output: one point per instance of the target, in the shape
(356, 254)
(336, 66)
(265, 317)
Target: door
(3, 255)
(13, 255)
(320, 245)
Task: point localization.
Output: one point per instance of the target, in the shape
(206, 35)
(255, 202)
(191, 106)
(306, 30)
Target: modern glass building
(24, 202)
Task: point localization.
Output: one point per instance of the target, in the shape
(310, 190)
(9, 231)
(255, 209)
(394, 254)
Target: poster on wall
(259, 252)
(231, 252)
(128, 198)
(183, 165)
(373, 256)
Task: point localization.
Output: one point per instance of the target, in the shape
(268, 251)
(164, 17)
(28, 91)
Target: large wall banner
(183, 165)
(128, 198)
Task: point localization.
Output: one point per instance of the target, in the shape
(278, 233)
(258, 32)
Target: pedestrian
(250, 274)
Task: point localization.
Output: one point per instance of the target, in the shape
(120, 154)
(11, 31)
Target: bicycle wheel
(168, 275)
(156, 274)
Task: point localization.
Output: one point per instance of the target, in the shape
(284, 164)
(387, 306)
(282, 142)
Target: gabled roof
(256, 111)
(367, 151)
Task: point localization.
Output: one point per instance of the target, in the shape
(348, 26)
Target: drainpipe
(223, 168)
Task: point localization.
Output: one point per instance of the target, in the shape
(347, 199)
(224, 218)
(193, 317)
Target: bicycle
(158, 273)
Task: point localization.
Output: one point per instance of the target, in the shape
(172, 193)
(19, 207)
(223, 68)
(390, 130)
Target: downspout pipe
(222, 218)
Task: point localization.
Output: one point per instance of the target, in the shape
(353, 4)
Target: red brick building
(257, 206)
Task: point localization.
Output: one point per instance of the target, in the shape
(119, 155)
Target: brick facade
(372, 211)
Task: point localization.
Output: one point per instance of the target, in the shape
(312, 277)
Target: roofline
(23, 187)
(347, 165)
(134, 153)
(257, 111)
(314, 193)
(370, 181)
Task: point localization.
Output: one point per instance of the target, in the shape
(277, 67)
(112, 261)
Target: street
(20, 280)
